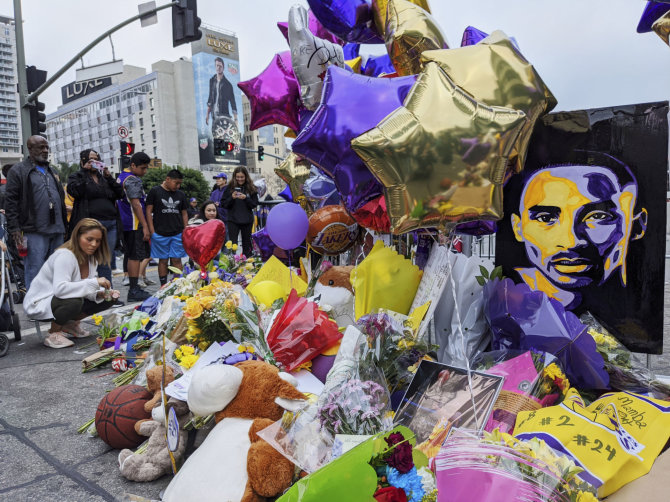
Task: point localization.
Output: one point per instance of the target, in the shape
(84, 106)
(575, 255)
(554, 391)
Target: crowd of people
(64, 235)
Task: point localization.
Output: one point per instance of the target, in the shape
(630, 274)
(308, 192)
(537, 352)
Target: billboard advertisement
(218, 100)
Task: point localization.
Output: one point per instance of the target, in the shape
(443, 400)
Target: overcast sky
(587, 51)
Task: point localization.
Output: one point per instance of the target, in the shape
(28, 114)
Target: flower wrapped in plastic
(533, 380)
(625, 372)
(300, 332)
(524, 319)
(357, 407)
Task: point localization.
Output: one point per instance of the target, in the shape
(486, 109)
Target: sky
(587, 51)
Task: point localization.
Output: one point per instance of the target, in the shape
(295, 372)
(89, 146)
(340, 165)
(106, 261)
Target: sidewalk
(44, 399)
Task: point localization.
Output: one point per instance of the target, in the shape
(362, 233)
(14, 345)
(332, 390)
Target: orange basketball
(117, 413)
(332, 230)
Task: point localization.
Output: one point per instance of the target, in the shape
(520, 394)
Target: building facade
(10, 116)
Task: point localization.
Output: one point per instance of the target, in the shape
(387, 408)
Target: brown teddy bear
(233, 463)
(154, 376)
(335, 293)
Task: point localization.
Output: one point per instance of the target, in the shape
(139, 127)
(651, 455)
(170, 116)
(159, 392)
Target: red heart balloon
(203, 242)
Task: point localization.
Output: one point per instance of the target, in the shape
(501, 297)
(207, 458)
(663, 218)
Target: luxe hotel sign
(76, 90)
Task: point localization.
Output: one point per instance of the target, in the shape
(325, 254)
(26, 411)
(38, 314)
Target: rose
(400, 457)
(207, 302)
(193, 308)
(390, 494)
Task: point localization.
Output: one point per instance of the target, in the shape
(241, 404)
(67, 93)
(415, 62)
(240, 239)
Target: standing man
(35, 207)
(136, 233)
(221, 181)
(166, 218)
(221, 100)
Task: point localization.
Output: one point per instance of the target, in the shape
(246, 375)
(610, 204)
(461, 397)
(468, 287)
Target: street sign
(123, 132)
(155, 164)
(151, 18)
(100, 70)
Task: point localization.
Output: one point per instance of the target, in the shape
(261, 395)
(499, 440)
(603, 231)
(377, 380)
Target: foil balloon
(315, 27)
(441, 168)
(311, 57)
(261, 187)
(662, 27)
(294, 171)
(351, 50)
(652, 12)
(263, 243)
(472, 36)
(320, 190)
(351, 105)
(380, 7)
(331, 230)
(286, 194)
(373, 215)
(375, 66)
(477, 228)
(354, 64)
(410, 30)
(350, 20)
(203, 242)
(496, 73)
(274, 95)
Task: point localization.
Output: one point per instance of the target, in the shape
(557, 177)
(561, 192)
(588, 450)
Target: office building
(10, 117)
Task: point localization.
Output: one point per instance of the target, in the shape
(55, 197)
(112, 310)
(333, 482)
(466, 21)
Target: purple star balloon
(472, 36)
(477, 228)
(350, 20)
(375, 66)
(351, 104)
(274, 95)
(351, 51)
(316, 28)
(651, 13)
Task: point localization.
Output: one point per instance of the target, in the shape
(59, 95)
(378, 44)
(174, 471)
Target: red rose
(390, 494)
(400, 457)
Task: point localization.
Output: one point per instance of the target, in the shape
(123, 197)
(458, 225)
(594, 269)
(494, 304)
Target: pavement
(44, 399)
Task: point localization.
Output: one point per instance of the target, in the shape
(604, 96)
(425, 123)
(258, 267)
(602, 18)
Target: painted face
(210, 212)
(240, 178)
(575, 222)
(89, 242)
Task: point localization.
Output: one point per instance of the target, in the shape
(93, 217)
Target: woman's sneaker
(74, 329)
(56, 340)
(147, 281)
(126, 280)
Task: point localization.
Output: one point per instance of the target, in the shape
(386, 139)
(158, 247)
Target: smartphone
(96, 164)
(238, 189)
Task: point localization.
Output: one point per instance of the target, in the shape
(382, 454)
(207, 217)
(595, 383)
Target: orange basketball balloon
(332, 230)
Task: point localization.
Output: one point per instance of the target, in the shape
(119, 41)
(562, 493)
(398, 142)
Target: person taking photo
(240, 198)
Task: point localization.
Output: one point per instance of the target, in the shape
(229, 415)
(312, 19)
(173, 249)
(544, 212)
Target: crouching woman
(67, 288)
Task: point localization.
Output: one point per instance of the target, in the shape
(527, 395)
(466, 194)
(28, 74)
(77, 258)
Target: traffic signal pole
(264, 153)
(21, 72)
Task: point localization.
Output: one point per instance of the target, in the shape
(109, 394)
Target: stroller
(9, 319)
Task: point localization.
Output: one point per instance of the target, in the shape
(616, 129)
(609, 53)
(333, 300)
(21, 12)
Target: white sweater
(60, 277)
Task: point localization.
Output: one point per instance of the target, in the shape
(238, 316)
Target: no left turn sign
(123, 132)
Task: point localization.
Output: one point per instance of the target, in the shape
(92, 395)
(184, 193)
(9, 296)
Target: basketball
(332, 230)
(117, 413)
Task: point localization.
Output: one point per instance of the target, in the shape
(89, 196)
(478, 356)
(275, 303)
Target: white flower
(427, 479)
(193, 276)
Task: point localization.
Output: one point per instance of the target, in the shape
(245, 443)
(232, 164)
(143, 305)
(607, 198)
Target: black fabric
(233, 235)
(167, 208)
(226, 97)
(192, 211)
(72, 309)
(91, 199)
(240, 211)
(136, 247)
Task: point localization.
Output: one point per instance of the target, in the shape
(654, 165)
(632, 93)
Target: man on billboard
(221, 101)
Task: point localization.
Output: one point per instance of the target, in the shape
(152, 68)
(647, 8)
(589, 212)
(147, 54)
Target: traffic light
(221, 147)
(185, 22)
(34, 79)
(261, 154)
(127, 148)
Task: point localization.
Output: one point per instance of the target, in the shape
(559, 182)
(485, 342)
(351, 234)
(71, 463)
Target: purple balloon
(375, 66)
(477, 228)
(320, 190)
(351, 51)
(286, 194)
(652, 12)
(351, 104)
(274, 95)
(287, 225)
(472, 36)
(350, 20)
(264, 244)
(315, 27)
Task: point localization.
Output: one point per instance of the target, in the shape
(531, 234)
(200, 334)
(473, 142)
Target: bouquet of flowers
(184, 286)
(237, 268)
(355, 408)
(186, 356)
(473, 467)
(625, 373)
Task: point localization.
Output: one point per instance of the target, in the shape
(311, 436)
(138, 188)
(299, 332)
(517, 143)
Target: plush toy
(233, 463)
(154, 376)
(155, 461)
(336, 293)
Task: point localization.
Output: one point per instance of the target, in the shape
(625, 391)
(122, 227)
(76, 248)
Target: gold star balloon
(410, 30)
(662, 27)
(294, 171)
(495, 73)
(354, 64)
(441, 156)
(379, 8)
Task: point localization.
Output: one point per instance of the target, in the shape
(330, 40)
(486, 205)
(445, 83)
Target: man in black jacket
(221, 101)
(35, 206)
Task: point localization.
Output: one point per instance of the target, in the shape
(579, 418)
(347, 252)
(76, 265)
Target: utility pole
(21, 72)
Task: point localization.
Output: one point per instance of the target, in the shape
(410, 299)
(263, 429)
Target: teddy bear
(154, 376)
(155, 461)
(335, 293)
(233, 463)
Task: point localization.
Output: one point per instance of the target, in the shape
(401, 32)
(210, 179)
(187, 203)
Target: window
(153, 118)
(141, 105)
(141, 122)
(153, 135)
(155, 152)
(151, 102)
(142, 136)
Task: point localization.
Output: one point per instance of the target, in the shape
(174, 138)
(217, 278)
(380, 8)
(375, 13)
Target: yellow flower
(586, 497)
(97, 319)
(178, 354)
(193, 309)
(203, 346)
(234, 247)
(305, 366)
(246, 348)
(405, 344)
(207, 302)
(229, 245)
(186, 350)
(144, 321)
(188, 361)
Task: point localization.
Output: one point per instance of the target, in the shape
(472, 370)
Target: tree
(64, 171)
(194, 184)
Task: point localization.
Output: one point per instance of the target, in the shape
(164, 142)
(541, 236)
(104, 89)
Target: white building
(10, 118)
(155, 110)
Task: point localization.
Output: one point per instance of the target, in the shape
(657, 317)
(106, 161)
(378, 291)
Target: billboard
(218, 100)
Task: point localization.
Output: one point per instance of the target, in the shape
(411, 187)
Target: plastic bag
(300, 332)
(625, 373)
(615, 439)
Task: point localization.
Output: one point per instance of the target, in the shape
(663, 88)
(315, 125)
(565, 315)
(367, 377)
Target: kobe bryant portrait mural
(584, 222)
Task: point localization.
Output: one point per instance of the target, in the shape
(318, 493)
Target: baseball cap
(193, 199)
(221, 175)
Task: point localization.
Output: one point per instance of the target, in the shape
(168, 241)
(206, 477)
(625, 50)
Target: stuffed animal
(233, 463)
(155, 461)
(154, 376)
(336, 294)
